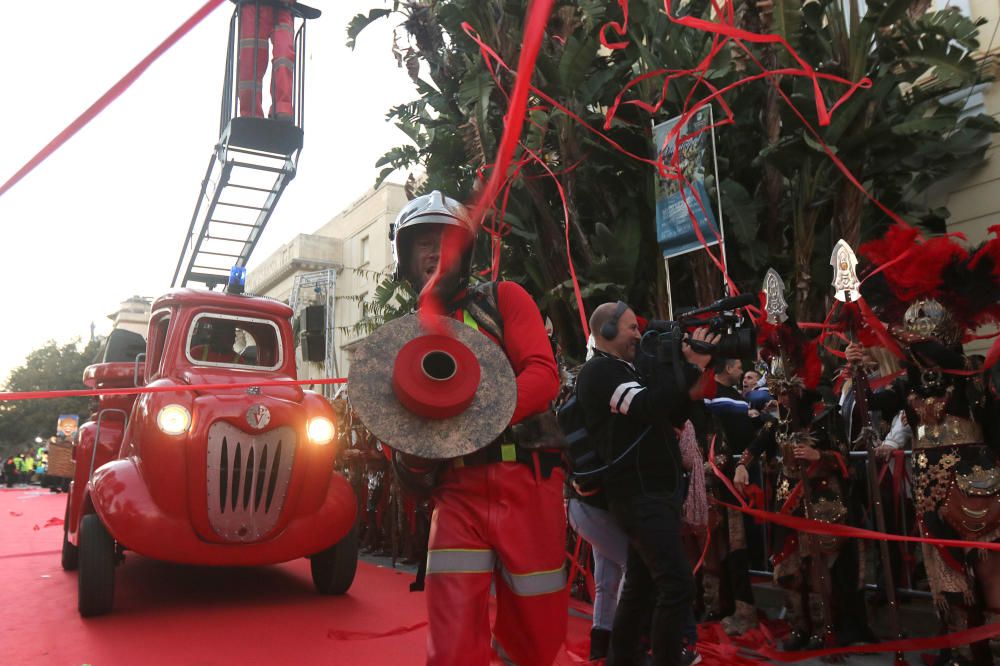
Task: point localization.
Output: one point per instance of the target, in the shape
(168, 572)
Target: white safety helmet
(433, 208)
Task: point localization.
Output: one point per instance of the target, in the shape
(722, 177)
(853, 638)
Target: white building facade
(353, 245)
(132, 315)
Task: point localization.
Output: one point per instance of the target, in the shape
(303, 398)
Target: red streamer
(181, 388)
(620, 28)
(850, 532)
(347, 635)
(704, 550)
(722, 477)
(451, 249)
(724, 31)
(111, 95)
(569, 256)
(957, 639)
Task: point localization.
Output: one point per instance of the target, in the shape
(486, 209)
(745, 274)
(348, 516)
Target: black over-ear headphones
(609, 329)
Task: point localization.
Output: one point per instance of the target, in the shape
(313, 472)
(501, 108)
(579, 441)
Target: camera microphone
(690, 318)
(733, 302)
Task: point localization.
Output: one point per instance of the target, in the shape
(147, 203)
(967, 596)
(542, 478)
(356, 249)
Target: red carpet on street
(182, 615)
(206, 616)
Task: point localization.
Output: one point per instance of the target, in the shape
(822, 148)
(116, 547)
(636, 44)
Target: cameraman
(631, 420)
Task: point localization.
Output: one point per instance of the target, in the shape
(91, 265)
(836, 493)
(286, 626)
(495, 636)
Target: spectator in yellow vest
(19, 464)
(29, 467)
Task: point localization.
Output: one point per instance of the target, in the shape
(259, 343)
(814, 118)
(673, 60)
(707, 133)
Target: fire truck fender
(123, 502)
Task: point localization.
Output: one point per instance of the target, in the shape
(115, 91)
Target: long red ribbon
(177, 388)
(534, 32)
(111, 95)
(569, 256)
(620, 28)
(722, 477)
(847, 531)
(957, 639)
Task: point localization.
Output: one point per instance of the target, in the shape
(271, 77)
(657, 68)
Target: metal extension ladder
(251, 165)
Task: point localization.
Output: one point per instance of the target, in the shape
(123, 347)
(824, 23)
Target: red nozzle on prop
(435, 376)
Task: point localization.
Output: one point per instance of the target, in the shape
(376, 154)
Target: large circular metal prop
(432, 396)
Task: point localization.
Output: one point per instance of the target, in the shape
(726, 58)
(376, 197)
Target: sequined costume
(956, 485)
(934, 301)
(819, 574)
(814, 490)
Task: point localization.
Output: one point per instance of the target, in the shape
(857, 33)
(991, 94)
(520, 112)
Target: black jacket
(622, 408)
(730, 414)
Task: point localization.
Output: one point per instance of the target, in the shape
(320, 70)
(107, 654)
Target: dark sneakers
(600, 641)
(690, 657)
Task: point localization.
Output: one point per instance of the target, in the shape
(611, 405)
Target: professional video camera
(663, 339)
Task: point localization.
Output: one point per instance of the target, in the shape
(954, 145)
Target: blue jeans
(610, 546)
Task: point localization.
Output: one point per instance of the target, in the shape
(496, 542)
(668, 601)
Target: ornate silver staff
(847, 291)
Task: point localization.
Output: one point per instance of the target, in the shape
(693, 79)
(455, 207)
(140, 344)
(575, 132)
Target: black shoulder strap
(483, 305)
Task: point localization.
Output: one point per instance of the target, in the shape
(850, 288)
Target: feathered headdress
(936, 288)
(798, 355)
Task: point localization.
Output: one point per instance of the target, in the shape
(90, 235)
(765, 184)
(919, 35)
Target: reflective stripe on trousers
(487, 518)
(276, 25)
(535, 583)
(468, 560)
(460, 560)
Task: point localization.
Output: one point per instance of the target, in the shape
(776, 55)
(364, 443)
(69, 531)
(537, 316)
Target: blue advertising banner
(675, 229)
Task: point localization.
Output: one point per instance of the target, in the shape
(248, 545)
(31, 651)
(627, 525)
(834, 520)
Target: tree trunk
(552, 269)
(550, 239)
(850, 205)
(806, 216)
(707, 278)
(772, 177)
(569, 152)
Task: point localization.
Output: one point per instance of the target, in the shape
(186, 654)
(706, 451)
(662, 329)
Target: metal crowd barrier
(908, 590)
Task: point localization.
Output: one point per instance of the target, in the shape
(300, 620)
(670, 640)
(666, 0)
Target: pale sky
(105, 216)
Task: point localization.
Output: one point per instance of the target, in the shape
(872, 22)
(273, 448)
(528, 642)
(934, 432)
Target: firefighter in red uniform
(498, 510)
(261, 20)
(220, 343)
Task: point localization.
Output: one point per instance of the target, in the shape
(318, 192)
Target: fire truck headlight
(320, 430)
(174, 419)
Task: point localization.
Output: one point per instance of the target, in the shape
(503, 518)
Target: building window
(365, 258)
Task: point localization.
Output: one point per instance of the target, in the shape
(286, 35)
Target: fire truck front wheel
(69, 551)
(97, 567)
(333, 569)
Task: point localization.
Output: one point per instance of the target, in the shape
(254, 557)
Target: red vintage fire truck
(227, 476)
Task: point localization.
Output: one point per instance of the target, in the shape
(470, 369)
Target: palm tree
(785, 201)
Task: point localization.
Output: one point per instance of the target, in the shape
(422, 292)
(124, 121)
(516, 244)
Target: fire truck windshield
(229, 341)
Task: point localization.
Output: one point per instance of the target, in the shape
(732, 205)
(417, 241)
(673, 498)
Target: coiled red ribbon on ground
(957, 639)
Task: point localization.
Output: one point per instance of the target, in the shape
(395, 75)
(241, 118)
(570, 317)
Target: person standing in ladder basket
(260, 21)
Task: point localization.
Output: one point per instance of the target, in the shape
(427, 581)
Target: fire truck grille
(248, 478)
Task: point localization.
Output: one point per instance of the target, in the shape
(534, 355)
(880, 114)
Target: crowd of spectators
(391, 523)
(30, 467)
(733, 549)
